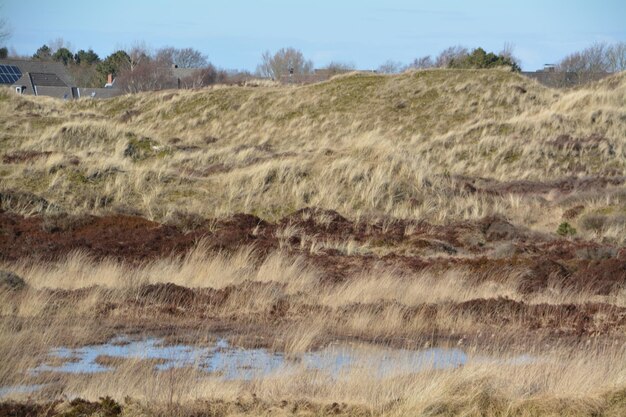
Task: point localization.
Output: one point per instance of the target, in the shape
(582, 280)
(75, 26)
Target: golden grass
(201, 268)
(368, 146)
(564, 380)
(365, 145)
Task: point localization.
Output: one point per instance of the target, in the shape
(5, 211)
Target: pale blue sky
(234, 33)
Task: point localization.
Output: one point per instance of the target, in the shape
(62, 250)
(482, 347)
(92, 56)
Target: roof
(46, 79)
(55, 91)
(23, 80)
(9, 74)
(45, 67)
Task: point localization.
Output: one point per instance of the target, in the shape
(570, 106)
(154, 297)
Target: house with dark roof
(46, 78)
(39, 78)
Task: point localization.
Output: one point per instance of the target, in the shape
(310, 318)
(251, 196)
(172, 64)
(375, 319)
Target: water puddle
(238, 363)
(229, 362)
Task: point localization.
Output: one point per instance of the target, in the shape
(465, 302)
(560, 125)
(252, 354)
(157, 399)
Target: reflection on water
(238, 363)
(229, 362)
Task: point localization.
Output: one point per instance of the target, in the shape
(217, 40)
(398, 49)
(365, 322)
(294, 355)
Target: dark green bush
(479, 58)
(566, 229)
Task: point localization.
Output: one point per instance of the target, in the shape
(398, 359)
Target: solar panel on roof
(9, 74)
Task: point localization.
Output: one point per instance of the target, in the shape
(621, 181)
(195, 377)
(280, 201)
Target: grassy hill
(482, 156)
(438, 145)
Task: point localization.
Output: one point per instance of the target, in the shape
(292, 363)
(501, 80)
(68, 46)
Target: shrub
(566, 229)
(479, 58)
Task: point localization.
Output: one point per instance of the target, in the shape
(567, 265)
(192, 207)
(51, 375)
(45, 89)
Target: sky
(234, 33)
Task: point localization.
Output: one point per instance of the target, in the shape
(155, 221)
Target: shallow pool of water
(238, 363)
(235, 363)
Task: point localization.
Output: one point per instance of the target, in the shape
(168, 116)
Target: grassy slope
(365, 145)
(360, 144)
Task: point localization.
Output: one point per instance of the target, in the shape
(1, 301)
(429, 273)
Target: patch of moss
(139, 149)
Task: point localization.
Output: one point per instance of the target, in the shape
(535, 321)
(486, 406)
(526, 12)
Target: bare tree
(165, 55)
(142, 71)
(190, 58)
(146, 75)
(450, 54)
(422, 62)
(616, 57)
(139, 54)
(203, 77)
(390, 67)
(591, 59)
(145, 70)
(182, 58)
(572, 63)
(284, 62)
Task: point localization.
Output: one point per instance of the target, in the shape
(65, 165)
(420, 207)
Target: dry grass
(368, 146)
(361, 144)
(480, 389)
(563, 380)
(202, 268)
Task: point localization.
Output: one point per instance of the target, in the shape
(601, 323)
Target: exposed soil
(242, 406)
(121, 237)
(530, 262)
(539, 261)
(173, 310)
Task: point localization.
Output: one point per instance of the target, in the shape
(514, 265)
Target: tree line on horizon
(139, 68)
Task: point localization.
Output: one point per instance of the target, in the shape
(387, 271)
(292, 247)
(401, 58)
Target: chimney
(110, 79)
